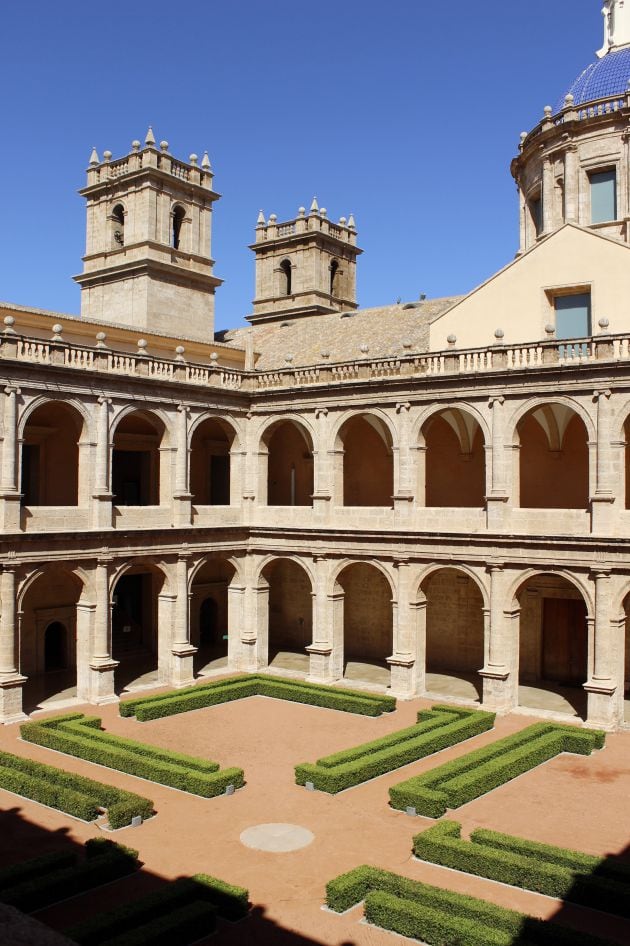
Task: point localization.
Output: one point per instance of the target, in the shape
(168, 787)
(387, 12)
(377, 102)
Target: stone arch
(289, 446)
(553, 456)
(365, 441)
(460, 567)
(138, 436)
(621, 428)
(138, 590)
(52, 431)
(290, 600)
(365, 591)
(517, 415)
(210, 580)
(554, 611)
(453, 439)
(212, 439)
(456, 607)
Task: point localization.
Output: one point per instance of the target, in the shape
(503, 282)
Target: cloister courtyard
(571, 801)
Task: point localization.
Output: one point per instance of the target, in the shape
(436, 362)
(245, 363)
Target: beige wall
(454, 622)
(367, 613)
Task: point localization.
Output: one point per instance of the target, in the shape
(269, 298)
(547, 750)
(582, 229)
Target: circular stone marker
(277, 838)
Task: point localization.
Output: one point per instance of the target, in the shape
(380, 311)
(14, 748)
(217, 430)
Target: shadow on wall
(22, 839)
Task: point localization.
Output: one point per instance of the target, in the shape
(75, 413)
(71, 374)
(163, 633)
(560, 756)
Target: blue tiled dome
(605, 77)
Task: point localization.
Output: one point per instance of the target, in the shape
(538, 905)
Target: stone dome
(603, 78)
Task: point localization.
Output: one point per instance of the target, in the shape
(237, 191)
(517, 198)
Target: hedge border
(457, 782)
(76, 795)
(562, 873)
(434, 915)
(81, 736)
(173, 702)
(436, 729)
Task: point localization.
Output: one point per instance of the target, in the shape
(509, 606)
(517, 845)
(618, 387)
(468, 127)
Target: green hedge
(455, 783)
(76, 795)
(35, 867)
(81, 736)
(436, 729)
(183, 925)
(557, 872)
(104, 863)
(151, 915)
(237, 688)
(442, 917)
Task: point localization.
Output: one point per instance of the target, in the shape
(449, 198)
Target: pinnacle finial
(150, 138)
(351, 224)
(205, 162)
(314, 206)
(94, 159)
(260, 222)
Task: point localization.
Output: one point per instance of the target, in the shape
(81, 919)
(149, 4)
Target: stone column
(522, 216)
(498, 677)
(496, 492)
(547, 194)
(602, 497)
(571, 185)
(255, 627)
(236, 621)
(403, 486)
(402, 661)
(182, 670)
(601, 686)
(102, 666)
(9, 490)
(11, 680)
(182, 499)
(102, 495)
(320, 651)
(419, 624)
(322, 469)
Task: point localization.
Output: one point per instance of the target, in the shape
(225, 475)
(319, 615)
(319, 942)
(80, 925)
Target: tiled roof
(603, 78)
(388, 331)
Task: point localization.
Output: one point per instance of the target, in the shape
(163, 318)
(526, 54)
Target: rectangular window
(603, 196)
(573, 315)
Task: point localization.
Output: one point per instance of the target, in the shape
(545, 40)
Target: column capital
(496, 399)
(104, 561)
(600, 571)
(495, 567)
(12, 389)
(10, 567)
(103, 399)
(184, 555)
(319, 557)
(183, 408)
(605, 393)
(321, 412)
(403, 407)
(400, 562)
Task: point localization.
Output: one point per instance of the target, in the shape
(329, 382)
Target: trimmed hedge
(150, 917)
(441, 917)
(436, 729)
(456, 783)
(568, 875)
(237, 688)
(81, 736)
(76, 795)
(104, 862)
(183, 925)
(35, 867)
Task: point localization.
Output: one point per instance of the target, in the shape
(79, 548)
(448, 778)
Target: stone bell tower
(148, 261)
(305, 266)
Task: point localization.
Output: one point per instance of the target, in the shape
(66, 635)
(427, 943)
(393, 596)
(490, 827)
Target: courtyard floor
(572, 801)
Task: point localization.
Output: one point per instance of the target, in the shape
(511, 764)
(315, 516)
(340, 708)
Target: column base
(182, 671)
(498, 689)
(320, 663)
(102, 681)
(11, 699)
(248, 660)
(602, 707)
(402, 677)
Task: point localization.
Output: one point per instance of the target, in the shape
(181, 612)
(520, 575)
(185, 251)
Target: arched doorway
(289, 465)
(48, 648)
(50, 456)
(455, 460)
(210, 466)
(367, 623)
(454, 634)
(368, 464)
(290, 614)
(135, 627)
(553, 646)
(552, 459)
(136, 460)
(209, 615)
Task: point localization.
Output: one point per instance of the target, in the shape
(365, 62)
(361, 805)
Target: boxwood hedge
(104, 862)
(81, 736)
(148, 920)
(457, 782)
(36, 866)
(557, 872)
(237, 688)
(76, 795)
(440, 917)
(436, 729)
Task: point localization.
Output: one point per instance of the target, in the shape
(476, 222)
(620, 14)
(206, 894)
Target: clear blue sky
(406, 113)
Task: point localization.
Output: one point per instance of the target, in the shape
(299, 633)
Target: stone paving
(572, 801)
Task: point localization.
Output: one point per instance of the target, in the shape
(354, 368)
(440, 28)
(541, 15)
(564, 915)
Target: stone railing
(538, 355)
(570, 112)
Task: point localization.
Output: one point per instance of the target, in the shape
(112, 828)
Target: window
(118, 225)
(334, 268)
(535, 208)
(573, 315)
(285, 269)
(603, 196)
(178, 218)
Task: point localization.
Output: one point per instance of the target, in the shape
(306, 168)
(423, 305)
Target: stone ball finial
(164, 146)
(406, 343)
(193, 158)
(57, 330)
(273, 218)
(9, 322)
(100, 340)
(603, 324)
(325, 353)
(499, 334)
(214, 357)
(107, 156)
(364, 348)
(288, 359)
(568, 100)
(135, 145)
(323, 212)
(523, 136)
(550, 329)
(302, 212)
(142, 346)
(342, 221)
(452, 340)
(179, 353)
(548, 111)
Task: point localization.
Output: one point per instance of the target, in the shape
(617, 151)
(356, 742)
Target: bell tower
(148, 259)
(305, 266)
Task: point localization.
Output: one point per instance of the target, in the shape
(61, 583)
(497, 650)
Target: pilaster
(11, 680)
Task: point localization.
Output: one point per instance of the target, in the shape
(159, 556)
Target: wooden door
(564, 641)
